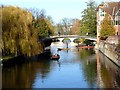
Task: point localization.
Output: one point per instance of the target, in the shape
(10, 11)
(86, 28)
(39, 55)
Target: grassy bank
(6, 57)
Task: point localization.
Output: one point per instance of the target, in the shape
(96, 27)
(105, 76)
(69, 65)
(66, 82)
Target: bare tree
(66, 25)
(37, 13)
(75, 30)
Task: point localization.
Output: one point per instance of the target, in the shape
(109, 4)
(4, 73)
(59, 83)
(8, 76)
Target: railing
(74, 36)
(63, 36)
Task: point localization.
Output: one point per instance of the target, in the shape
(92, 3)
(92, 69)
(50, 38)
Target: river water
(76, 68)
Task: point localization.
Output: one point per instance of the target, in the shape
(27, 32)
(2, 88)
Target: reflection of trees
(23, 76)
(44, 68)
(90, 73)
(0, 77)
(106, 77)
(85, 53)
(89, 66)
(110, 73)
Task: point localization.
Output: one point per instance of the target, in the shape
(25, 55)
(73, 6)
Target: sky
(57, 9)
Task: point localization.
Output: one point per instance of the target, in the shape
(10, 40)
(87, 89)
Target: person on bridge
(58, 33)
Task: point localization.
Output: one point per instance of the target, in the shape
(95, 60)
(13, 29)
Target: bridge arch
(71, 39)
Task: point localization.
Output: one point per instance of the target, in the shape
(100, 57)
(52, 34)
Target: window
(117, 22)
(105, 5)
(118, 13)
(117, 33)
(102, 13)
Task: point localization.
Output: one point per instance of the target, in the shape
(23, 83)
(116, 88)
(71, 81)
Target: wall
(117, 28)
(110, 51)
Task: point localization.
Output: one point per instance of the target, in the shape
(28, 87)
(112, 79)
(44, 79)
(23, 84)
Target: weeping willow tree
(18, 33)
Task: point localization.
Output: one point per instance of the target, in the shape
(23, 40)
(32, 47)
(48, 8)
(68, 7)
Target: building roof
(110, 7)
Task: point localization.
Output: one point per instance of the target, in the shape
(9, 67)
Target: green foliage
(45, 29)
(79, 40)
(66, 40)
(21, 31)
(107, 28)
(87, 42)
(43, 24)
(18, 35)
(83, 41)
(88, 23)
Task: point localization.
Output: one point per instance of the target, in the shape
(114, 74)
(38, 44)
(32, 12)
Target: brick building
(113, 10)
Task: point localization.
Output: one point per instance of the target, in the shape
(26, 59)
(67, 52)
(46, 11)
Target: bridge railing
(56, 36)
(74, 36)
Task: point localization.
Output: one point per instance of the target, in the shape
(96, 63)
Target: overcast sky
(57, 9)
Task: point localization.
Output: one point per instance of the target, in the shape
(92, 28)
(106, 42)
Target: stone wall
(115, 39)
(117, 28)
(110, 51)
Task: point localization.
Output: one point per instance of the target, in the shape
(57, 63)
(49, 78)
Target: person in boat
(56, 56)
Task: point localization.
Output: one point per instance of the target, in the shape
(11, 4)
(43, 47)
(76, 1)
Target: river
(76, 68)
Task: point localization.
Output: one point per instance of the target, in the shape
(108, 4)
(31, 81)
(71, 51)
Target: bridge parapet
(74, 36)
(64, 36)
(90, 38)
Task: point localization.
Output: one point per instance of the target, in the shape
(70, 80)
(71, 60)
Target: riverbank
(46, 42)
(85, 67)
(19, 60)
(7, 57)
(110, 51)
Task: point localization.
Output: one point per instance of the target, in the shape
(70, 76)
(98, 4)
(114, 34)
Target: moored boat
(59, 49)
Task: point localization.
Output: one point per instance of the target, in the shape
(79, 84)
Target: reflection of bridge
(72, 37)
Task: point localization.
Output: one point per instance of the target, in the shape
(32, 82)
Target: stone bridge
(72, 37)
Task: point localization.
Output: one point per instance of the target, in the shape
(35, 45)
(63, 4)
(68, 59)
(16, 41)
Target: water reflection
(83, 68)
(88, 61)
(24, 76)
(86, 53)
(108, 72)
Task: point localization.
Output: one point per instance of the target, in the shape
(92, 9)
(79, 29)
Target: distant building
(113, 10)
(67, 29)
